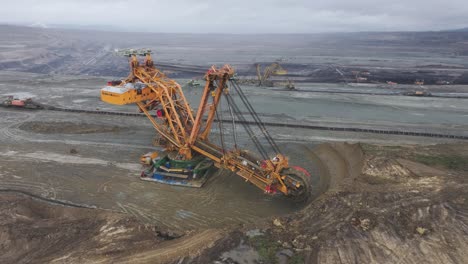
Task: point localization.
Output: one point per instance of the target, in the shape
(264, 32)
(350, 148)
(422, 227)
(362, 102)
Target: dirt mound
(390, 210)
(342, 162)
(67, 128)
(329, 164)
(380, 170)
(34, 230)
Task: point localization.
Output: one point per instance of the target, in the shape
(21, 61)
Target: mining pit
(378, 200)
(69, 181)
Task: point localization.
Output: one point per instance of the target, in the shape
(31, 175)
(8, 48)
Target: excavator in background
(421, 91)
(273, 69)
(193, 83)
(288, 85)
(189, 155)
(419, 82)
(10, 101)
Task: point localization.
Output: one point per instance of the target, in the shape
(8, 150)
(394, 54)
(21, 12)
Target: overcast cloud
(242, 16)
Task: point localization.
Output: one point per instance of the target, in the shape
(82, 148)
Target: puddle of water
(77, 101)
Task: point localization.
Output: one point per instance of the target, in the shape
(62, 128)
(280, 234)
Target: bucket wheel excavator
(189, 154)
(273, 69)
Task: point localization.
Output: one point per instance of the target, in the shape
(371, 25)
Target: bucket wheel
(299, 184)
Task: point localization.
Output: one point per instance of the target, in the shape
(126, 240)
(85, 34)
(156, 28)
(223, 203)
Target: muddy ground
(79, 173)
(66, 128)
(391, 208)
(382, 204)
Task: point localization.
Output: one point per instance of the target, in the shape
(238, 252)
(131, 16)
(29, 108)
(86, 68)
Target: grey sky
(238, 16)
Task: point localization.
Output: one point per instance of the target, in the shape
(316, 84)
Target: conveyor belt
(286, 125)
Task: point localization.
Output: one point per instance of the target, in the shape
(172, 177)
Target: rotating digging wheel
(299, 175)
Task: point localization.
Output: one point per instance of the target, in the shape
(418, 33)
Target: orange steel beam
(157, 126)
(213, 77)
(211, 114)
(166, 88)
(200, 112)
(206, 154)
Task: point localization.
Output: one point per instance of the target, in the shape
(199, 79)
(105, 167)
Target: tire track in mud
(178, 208)
(14, 134)
(19, 136)
(37, 188)
(232, 199)
(209, 196)
(16, 120)
(146, 216)
(172, 250)
(138, 213)
(213, 195)
(225, 199)
(181, 220)
(47, 200)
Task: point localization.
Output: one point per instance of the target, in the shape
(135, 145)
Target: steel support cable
(247, 128)
(241, 117)
(220, 127)
(258, 145)
(234, 129)
(261, 125)
(244, 124)
(256, 118)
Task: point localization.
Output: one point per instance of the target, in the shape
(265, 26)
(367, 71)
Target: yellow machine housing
(120, 95)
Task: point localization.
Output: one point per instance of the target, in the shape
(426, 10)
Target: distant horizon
(110, 29)
(240, 17)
